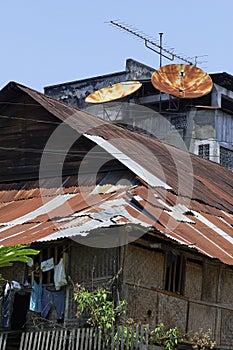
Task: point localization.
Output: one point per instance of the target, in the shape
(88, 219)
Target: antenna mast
(152, 45)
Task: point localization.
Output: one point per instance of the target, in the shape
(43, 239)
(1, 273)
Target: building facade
(202, 125)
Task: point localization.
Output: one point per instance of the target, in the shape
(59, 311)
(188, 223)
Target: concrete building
(202, 125)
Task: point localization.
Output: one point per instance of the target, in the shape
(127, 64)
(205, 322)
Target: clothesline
(41, 299)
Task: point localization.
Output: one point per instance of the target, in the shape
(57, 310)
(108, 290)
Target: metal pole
(160, 65)
(160, 45)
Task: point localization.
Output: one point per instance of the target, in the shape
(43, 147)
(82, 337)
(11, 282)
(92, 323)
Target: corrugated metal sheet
(130, 163)
(69, 215)
(200, 219)
(211, 181)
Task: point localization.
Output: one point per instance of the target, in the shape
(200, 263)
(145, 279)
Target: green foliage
(99, 306)
(126, 334)
(168, 338)
(172, 338)
(21, 253)
(103, 315)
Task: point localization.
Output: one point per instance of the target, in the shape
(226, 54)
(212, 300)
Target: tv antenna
(150, 44)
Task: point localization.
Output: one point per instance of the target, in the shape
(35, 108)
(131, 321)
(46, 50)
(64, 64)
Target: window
(179, 122)
(204, 151)
(175, 273)
(55, 252)
(227, 104)
(226, 158)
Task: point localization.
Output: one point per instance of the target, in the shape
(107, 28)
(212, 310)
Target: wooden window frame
(175, 272)
(46, 252)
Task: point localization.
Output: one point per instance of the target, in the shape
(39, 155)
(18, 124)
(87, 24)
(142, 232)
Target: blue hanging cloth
(36, 297)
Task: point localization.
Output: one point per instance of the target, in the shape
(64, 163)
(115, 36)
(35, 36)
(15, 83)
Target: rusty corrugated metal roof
(212, 183)
(201, 218)
(68, 215)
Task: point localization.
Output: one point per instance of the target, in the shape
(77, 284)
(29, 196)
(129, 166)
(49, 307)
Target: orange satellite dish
(206, 107)
(113, 92)
(182, 80)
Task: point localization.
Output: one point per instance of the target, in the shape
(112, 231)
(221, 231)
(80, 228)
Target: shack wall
(206, 303)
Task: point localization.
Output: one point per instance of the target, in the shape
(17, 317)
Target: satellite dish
(182, 80)
(206, 107)
(113, 92)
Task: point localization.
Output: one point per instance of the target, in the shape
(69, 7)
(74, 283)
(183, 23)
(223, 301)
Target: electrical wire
(91, 155)
(19, 103)
(59, 123)
(29, 119)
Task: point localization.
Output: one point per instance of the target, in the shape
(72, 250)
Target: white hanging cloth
(59, 275)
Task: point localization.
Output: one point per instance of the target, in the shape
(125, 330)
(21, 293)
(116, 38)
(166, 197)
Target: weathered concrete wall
(224, 128)
(204, 124)
(201, 128)
(212, 126)
(74, 93)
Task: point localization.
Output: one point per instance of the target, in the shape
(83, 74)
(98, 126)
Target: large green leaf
(20, 253)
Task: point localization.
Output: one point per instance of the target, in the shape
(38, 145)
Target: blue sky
(50, 42)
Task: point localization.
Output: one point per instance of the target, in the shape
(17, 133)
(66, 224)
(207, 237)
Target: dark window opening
(227, 104)
(55, 252)
(226, 158)
(175, 273)
(179, 122)
(204, 151)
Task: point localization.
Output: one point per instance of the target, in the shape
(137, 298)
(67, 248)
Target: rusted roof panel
(67, 215)
(202, 241)
(219, 179)
(201, 218)
(26, 233)
(226, 217)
